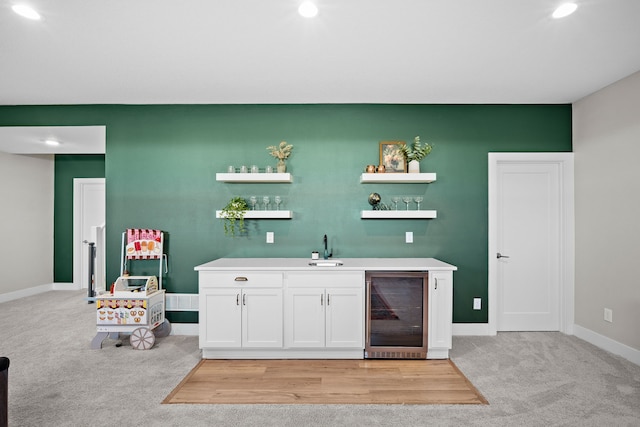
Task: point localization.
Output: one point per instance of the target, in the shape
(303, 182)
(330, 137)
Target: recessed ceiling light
(26, 11)
(308, 9)
(52, 142)
(564, 9)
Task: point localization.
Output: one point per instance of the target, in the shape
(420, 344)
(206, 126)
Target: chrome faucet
(327, 255)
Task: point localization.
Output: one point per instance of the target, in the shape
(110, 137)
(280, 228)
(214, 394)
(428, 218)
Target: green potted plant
(415, 153)
(233, 216)
(282, 153)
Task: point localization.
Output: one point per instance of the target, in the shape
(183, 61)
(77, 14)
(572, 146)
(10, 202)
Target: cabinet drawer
(240, 279)
(323, 279)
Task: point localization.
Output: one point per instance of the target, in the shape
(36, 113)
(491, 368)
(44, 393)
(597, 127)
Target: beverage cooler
(397, 315)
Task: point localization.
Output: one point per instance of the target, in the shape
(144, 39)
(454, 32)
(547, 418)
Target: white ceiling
(354, 51)
(73, 139)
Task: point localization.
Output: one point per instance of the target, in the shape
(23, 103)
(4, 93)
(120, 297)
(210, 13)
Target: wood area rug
(368, 381)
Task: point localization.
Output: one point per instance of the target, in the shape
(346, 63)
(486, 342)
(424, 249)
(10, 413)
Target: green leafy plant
(233, 215)
(417, 151)
(282, 151)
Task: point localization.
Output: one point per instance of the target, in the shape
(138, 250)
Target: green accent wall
(67, 167)
(161, 162)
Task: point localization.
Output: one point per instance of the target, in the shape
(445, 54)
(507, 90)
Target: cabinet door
(345, 317)
(440, 309)
(262, 317)
(304, 317)
(220, 318)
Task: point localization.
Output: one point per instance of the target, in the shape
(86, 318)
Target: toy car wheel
(142, 339)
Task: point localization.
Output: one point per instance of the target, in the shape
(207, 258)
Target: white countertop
(349, 264)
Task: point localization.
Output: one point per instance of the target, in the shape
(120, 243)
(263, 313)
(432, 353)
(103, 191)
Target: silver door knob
(499, 255)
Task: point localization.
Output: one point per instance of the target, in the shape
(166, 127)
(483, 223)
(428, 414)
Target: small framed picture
(391, 156)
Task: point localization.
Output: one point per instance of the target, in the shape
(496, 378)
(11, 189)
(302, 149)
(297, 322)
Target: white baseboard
(470, 329)
(35, 290)
(22, 293)
(607, 344)
(184, 329)
(65, 287)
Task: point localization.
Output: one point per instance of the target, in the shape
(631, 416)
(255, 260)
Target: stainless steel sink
(326, 263)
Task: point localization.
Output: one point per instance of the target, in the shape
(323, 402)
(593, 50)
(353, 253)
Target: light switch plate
(408, 237)
(477, 303)
(270, 237)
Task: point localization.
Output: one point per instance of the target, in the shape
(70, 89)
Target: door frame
(567, 232)
(79, 185)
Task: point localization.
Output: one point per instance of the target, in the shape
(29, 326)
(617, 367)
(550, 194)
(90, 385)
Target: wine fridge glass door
(396, 317)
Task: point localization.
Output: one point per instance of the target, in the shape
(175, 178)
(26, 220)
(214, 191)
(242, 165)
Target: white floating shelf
(254, 177)
(263, 214)
(398, 214)
(398, 178)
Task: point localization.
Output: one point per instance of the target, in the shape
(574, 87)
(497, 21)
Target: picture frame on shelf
(391, 157)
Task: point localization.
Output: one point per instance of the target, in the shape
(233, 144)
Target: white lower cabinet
(281, 315)
(304, 317)
(248, 315)
(301, 314)
(242, 318)
(262, 318)
(440, 314)
(220, 318)
(324, 317)
(344, 322)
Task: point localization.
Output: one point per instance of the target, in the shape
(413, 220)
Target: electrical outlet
(408, 237)
(477, 303)
(608, 315)
(269, 236)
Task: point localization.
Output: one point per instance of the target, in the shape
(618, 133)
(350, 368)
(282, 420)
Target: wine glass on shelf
(277, 200)
(407, 200)
(418, 200)
(265, 200)
(253, 200)
(395, 200)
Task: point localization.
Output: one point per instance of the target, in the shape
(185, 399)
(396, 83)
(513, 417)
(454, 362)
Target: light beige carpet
(326, 382)
(531, 379)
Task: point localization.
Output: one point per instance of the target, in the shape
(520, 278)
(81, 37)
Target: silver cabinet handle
(328, 299)
(321, 299)
(499, 255)
(241, 279)
(436, 280)
(237, 299)
(244, 299)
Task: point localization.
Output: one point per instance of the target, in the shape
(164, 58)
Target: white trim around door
(84, 217)
(566, 233)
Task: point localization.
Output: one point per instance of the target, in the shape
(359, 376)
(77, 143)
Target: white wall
(606, 142)
(26, 221)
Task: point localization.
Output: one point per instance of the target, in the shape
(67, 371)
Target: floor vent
(395, 355)
(181, 302)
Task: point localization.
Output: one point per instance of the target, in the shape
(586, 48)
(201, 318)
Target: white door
(88, 211)
(345, 317)
(220, 318)
(530, 234)
(262, 317)
(440, 312)
(304, 317)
